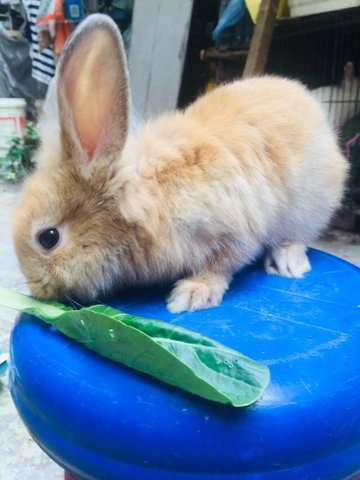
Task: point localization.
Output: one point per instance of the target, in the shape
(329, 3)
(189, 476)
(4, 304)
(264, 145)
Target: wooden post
(261, 39)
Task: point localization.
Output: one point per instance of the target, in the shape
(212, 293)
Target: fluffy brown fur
(251, 167)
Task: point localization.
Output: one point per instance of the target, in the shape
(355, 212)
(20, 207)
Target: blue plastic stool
(100, 420)
(3, 363)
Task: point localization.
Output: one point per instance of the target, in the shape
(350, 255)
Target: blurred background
(177, 50)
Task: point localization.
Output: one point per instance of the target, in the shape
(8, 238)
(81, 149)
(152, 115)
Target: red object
(67, 476)
(62, 28)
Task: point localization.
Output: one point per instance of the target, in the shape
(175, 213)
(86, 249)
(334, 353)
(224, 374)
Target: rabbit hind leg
(288, 260)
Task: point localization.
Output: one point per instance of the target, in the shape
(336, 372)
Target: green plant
(19, 158)
(168, 352)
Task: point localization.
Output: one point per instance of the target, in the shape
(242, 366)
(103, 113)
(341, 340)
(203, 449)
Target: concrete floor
(20, 457)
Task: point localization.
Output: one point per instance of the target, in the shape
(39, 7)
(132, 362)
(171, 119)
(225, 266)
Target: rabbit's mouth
(81, 295)
(45, 290)
(48, 288)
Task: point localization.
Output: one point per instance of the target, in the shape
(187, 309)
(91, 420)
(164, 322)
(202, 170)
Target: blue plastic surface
(3, 363)
(100, 420)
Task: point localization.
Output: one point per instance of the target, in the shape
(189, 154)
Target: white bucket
(12, 121)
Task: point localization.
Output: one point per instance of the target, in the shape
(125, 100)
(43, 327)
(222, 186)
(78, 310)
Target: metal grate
(323, 51)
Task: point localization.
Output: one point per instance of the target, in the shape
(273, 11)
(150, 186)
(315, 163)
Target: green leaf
(170, 353)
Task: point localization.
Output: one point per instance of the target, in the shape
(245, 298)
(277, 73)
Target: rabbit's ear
(92, 89)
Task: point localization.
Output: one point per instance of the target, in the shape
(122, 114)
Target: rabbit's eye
(49, 238)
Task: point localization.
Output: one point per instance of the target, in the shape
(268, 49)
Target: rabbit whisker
(73, 303)
(21, 284)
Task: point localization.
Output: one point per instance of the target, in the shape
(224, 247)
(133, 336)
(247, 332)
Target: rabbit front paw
(288, 260)
(197, 293)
